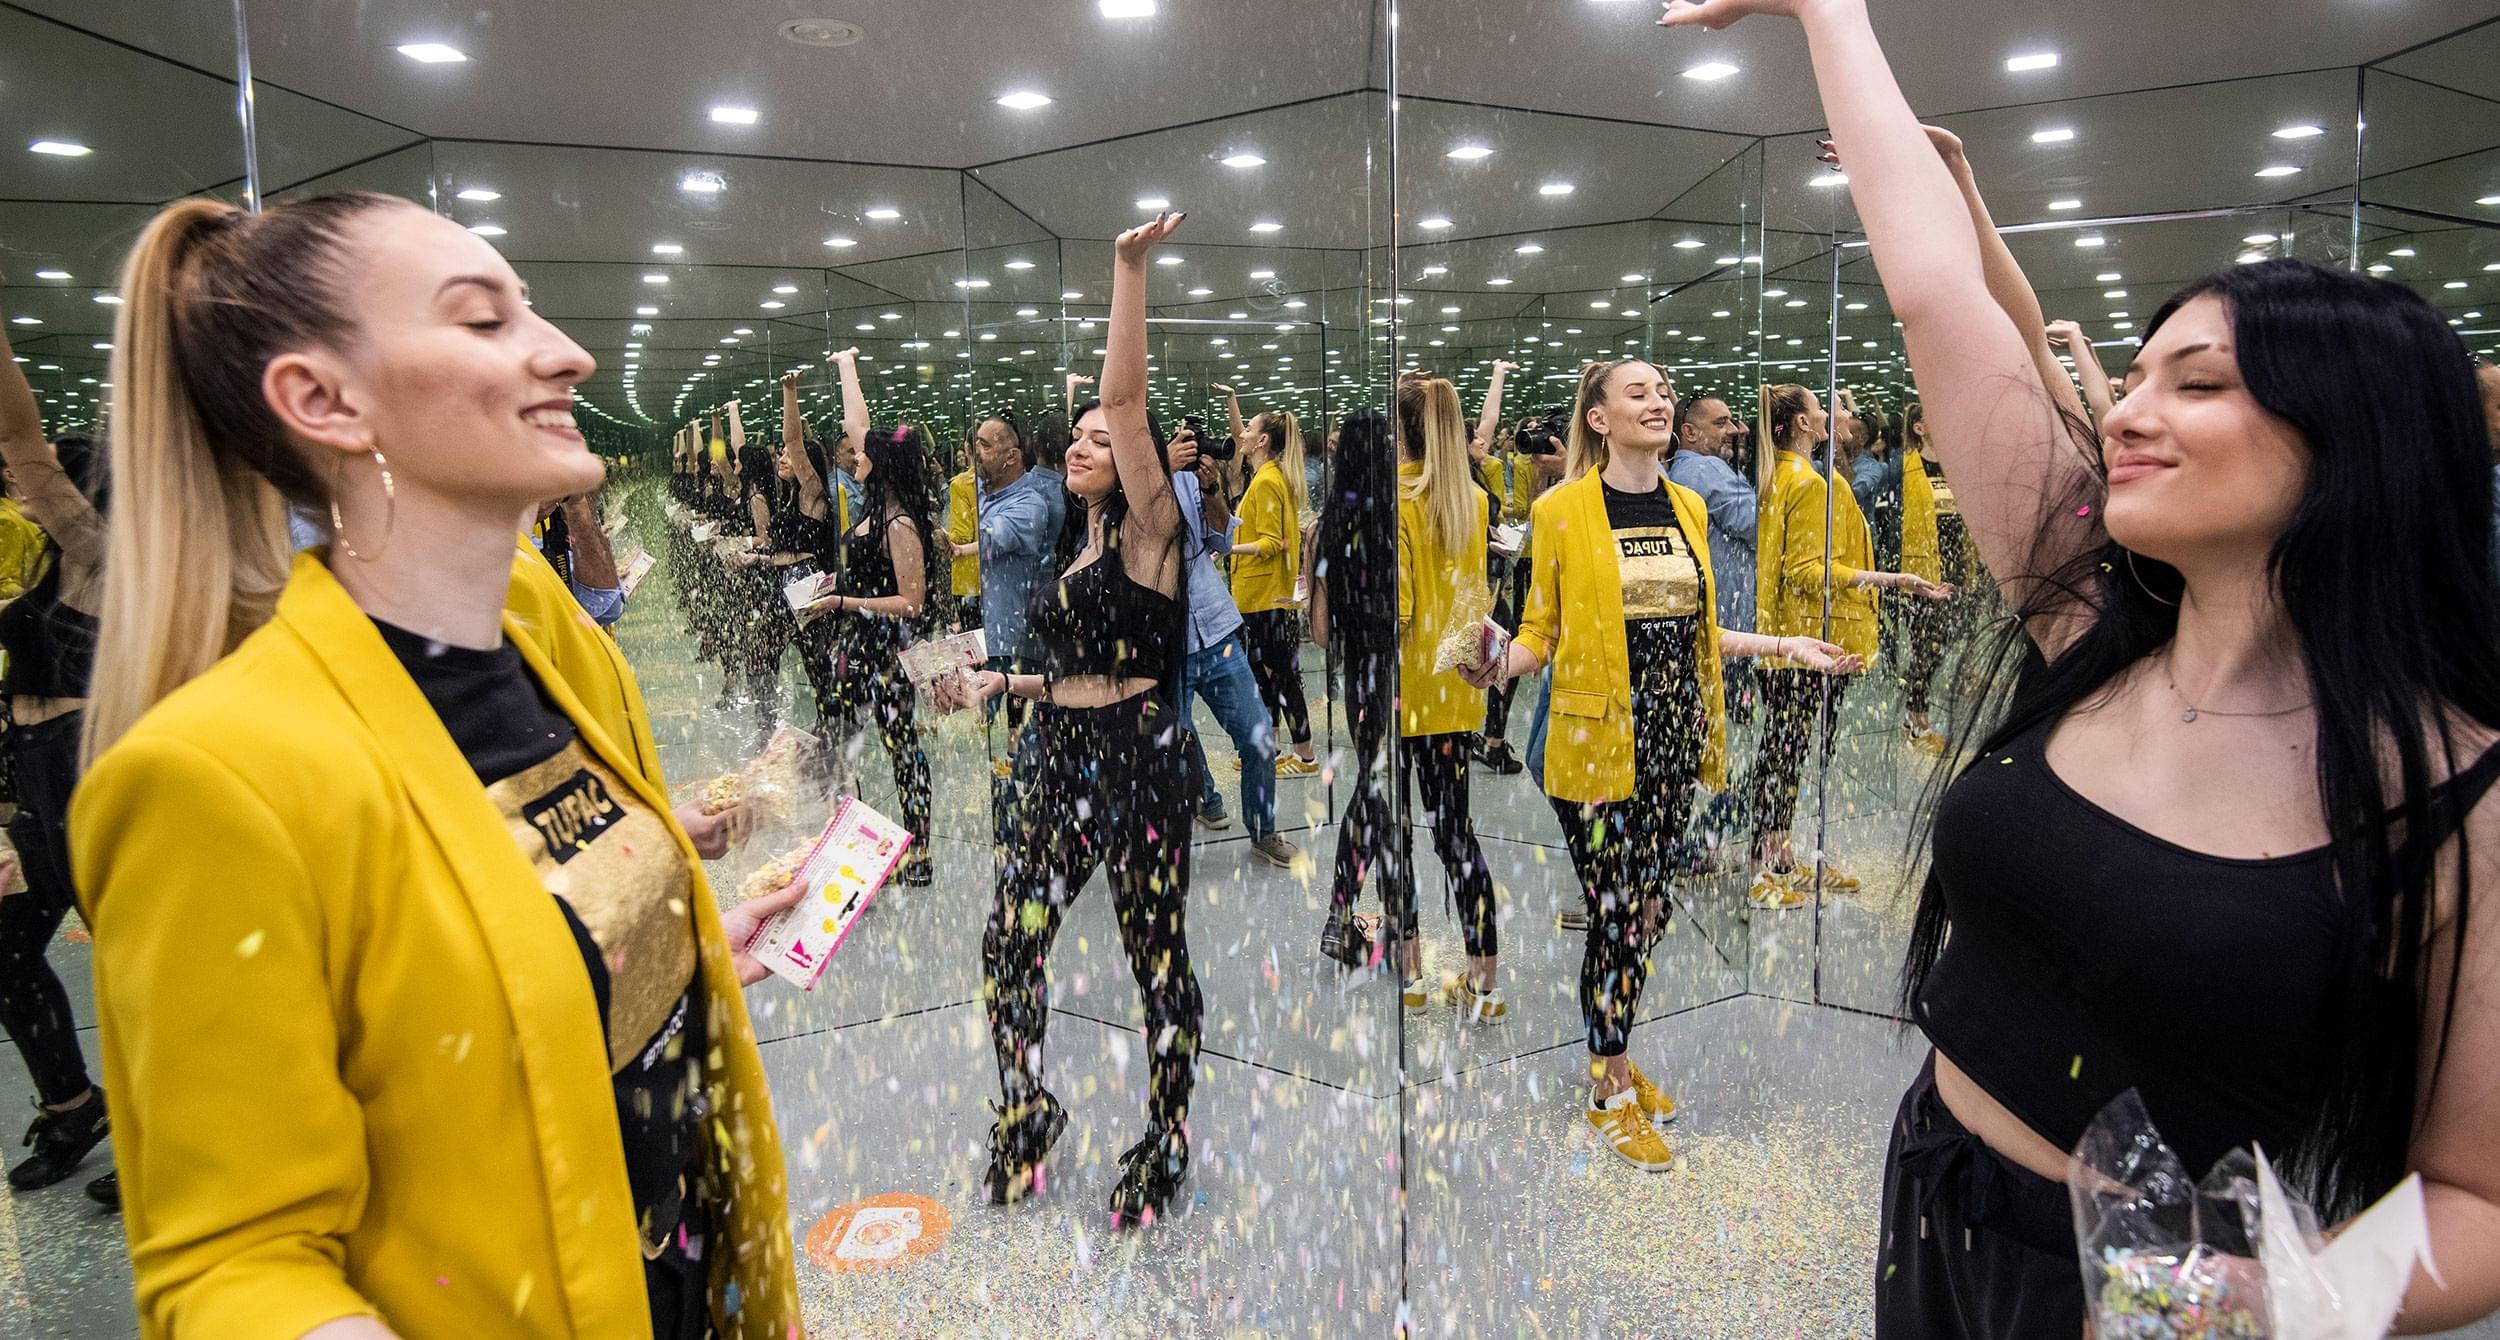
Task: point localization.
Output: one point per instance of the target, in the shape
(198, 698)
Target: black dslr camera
(1545, 436)
(1212, 445)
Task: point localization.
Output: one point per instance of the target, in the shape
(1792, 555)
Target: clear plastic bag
(769, 788)
(2233, 1257)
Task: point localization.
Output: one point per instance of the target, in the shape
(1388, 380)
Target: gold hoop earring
(2139, 580)
(390, 514)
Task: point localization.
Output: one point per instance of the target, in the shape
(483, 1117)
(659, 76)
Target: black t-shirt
(609, 862)
(1662, 595)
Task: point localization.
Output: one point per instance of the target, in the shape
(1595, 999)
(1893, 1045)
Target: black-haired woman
(1354, 589)
(1110, 784)
(49, 634)
(889, 565)
(2246, 751)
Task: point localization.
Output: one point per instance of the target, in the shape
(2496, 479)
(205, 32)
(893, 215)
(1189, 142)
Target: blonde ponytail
(1782, 407)
(197, 545)
(1292, 460)
(1436, 433)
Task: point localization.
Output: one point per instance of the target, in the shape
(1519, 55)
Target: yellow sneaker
(1775, 891)
(1295, 765)
(1416, 993)
(1927, 742)
(1002, 769)
(1482, 1007)
(1837, 880)
(1626, 1131)
(1652, 1099)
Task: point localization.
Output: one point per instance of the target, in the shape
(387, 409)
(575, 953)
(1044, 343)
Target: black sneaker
(107, 1191)
(61, 1140)
(1151, 1173)
(1018, 1147)
(1573, 916)
(1498, 758)
(1343, 939)
(918, 870)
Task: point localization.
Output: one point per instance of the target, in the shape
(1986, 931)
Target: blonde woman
(1267, 562)
(1442, 550)
(1793, 567)
(1621, 601)
(1935, 547)
(418, 1014)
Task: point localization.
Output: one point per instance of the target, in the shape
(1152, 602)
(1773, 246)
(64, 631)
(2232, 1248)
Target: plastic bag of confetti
(1474, 639)
(2231, 1257)
(769, 787)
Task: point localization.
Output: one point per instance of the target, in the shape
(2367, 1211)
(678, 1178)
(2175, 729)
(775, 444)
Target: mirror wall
(711, 202)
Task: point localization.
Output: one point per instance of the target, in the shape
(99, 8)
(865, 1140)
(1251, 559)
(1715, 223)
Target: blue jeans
(1536, 726)
(1220, 676)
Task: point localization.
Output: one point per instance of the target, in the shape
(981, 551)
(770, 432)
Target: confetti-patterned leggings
(1929, 626)
(1275, 641)
(1790, 702)
(1363, 839)
(866, 679)
(1975, 1246)
(1438, 765)
(1107, 786)
(33, 1004)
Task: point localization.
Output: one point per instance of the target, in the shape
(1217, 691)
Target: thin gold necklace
(2193, 711)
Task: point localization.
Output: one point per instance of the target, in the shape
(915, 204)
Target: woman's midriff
(28, 709)
(1996, 1127)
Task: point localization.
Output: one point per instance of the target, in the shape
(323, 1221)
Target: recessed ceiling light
(2095, 240)
(1262, 274)
(1436, 223)
(1024, 100)
(701, 183)
(2053, 135)
(646, 311)
(1829, 179)
(2299, 132)
(667, 249)
(1497, 283)
(1244, 160)
(104, 344)
(2402, 251)
(785, 288)
(26, 321)
(1528, 249)
(1556, 188)
(734, 116)
(2066, 204)
(884, 213)
(60, 148)
(655, 279)
(2488, 200)
(2278, 170)
(1711, 72)
(1267, 226)
(1019, 265)
(1070, 296)
(2107, 277)
(1128, 9)
(889, 316)
(840, 243)
(2115, 293)
(1636, 279)
(2455, 283)
(1469, 153)
(1201, 292)
(433, 53)
(1297, 304)
(1168, 259)
(972, 283)
(486, 230)
(1600, 305)
(2260, 239)
(1689, 244)
(481, 195)
(1153, 204)
(52, 274)
(2029, 61)
(772, 304)
(1435, 271)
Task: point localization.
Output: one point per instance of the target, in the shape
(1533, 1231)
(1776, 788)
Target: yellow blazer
(963, 526)
(1789, 562)
(1574, 620)
(1264, 580)
(1921, 554)
(356, 1063)
(1431, 579)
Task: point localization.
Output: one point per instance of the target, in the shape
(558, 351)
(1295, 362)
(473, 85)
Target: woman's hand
(794, 375)
(2071, 335)
(844, 358)
(1823, 656)
(1927, 590)
(957, 692)
(1502, 365)
(1133, 245)
(739, 924)
(714, 834)
(1716, 14)
(1221, 390)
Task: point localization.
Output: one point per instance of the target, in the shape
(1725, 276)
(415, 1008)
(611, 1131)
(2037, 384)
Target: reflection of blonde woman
(1793, 564)
(1442, 540)
(1267, 561)
(420, 1016)
(1622, 602)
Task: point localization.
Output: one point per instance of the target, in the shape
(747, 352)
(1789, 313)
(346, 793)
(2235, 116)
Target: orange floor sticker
(879, 1233)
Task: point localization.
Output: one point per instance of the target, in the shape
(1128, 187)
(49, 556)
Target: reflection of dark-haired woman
(889, 564)
(1354, 615)
(2245, 750)
(49, 634)
(1110, 784)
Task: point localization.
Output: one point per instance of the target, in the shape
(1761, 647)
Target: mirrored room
(1215, 676)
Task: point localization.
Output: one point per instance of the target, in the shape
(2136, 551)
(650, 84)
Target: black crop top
(2088, 957)
(51, 646)
(1098, 620)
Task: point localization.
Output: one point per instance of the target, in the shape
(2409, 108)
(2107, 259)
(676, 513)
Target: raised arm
(737, 428)
(1997, 430)
(794, 443)
(1133, 451)
(1232, 409)
(1075, 380)
(1491, 418)
(2088, 369)
(854, 404)
(43, 487)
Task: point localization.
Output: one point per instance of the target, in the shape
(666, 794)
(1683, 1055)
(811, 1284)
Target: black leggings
(33, 1005)
(1624, 852)
(1109, 785)
(1362, 838)
(1275, 640)
(1790, 702)
(1438, 763)
(1975, 1245)
(1931, 624)
(1510, 595)
(868, 678)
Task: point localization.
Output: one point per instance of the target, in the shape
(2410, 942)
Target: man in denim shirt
(1218, 669)
(1705, 437)
(1021, 507)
